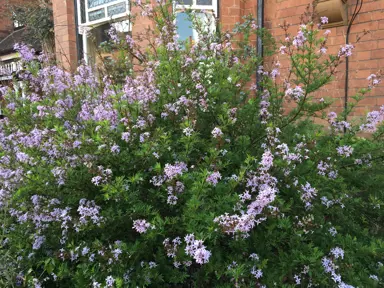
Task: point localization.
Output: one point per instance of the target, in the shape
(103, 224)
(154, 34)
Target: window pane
(82, 11)
(100, 34)
(206, 20)
(185, 2)
(96, 15)
(184, 26)
(204, 2)
(117, 9)
(95, 3)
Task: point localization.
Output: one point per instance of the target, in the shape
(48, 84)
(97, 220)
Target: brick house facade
(368, 56)
(11, 33)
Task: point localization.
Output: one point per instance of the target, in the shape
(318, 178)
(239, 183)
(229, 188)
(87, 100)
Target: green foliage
(116, 175)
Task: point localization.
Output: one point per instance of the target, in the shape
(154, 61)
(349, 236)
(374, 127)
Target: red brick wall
(6, 22)
(368, 56)
(232, 11)
(65, 33)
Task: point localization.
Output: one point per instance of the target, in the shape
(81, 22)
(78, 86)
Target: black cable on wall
(359, 5)
(260, 24)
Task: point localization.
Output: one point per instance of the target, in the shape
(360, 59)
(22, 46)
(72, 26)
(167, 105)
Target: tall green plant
(185, 175)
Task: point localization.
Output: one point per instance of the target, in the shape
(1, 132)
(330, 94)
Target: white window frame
(213, 7)
(16, 24)
(105, 8)
(89, 25)
(179, 8)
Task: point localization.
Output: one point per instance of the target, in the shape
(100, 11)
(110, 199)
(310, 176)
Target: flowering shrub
(185, 175)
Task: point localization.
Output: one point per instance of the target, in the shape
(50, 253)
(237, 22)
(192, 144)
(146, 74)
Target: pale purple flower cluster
(296, 93)
(144, 136)
(196, 249)
(326, 169)
(266, 160)
(232, 224)
(337, 252)
(130, 41)
(125, 136)
(232, 115)
(330, 267)
(175, 107)
(374, 277)
(346, 51)
(27, 53)
(257, 273)
(109, 281)
(213, 178)
(112, 33)
(85, 76)
(323, 50)
(332, 231)
(89, 212)
(308, 193)
(103, 176)
(177, 169)
(44, 213)
(50, 80)
(338, 126)
(141, 89)
(374, 119)
(299, 39)
(115, 149)
(188, 131)
(38, 242)
(297, 279)
(374, 80)
(141, 225)
(262, 182)
(329, 203)
(324, 20)
(152, 265)
(264, 105)
(283, 50)
(216, 132)
(173, 191)
(344, 150)
(3, 91)
(275, 71)
(172, 247)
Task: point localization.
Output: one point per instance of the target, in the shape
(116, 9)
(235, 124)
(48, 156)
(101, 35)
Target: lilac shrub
(184, 173)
